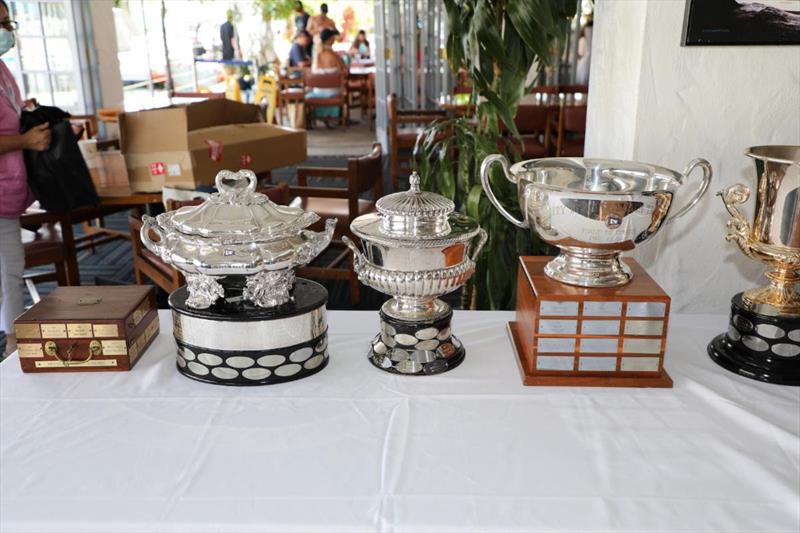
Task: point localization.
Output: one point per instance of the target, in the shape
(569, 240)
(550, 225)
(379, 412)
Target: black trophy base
(235, 343)
(416, 348)
(757, 346)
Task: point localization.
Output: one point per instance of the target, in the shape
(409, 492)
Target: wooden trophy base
(566, 335)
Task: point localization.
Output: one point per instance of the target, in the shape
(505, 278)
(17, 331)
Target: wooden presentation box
(573, 336)
(83, 329)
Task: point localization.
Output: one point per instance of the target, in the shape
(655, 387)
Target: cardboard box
(185, 146)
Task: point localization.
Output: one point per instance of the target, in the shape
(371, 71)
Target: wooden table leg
(71, 252)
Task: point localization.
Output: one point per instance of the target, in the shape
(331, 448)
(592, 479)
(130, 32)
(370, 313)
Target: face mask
(6, 41)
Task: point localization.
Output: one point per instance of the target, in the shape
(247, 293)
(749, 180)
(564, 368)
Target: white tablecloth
(355, 449)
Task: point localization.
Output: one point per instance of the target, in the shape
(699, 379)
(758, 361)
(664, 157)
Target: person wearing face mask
(15, 196)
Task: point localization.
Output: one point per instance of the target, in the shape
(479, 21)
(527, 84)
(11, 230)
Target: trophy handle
(707, 173)
(738, 227)
(482, 238)
(358, 257)
(497, 158)
(148, 225)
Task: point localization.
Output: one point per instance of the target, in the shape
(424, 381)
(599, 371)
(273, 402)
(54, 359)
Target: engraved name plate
(602, 308)
(644, 327)
(54, 331)
(556, 345)
(115, 348)
(600, 327)
(62, 364)
(557, 308)
(597, 364)
(599, 345)
(79, 331)
(639, 364)
(650, 309)
(30, 350)
(551, 362)
(641, 345)
(569, 327)
(106, 330)
(28, 331)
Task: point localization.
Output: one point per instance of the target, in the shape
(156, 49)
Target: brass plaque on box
(30, 350)
(28, 331)
(54, 331)
(115, 348)
(79, 331)
(106, 330)
(71, 364)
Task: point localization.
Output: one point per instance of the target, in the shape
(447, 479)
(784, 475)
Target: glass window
(36, 86)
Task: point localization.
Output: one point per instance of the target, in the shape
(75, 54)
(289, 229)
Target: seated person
(298, 55)
(327, 61)
(360, 46)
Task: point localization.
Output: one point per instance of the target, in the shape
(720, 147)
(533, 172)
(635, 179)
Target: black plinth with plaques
(759, 346)
(416, 347)
(235, 342)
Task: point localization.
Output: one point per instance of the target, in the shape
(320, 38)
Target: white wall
(652, 100)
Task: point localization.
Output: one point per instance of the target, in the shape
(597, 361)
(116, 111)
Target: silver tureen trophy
(593, 210)
(416, 248)
(243, 318)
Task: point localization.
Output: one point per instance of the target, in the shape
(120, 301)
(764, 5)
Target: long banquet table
(355, 449)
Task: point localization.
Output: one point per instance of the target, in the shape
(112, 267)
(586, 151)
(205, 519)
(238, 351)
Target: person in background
(360, 46)
(15, 196)
(316, 25)
(584, 52)
(298, 55)
(230, 43)
(300, 17)
(327, 61)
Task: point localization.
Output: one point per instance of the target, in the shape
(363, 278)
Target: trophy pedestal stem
(759, 346)
(588, 268)
(416, 347)
(780, 295)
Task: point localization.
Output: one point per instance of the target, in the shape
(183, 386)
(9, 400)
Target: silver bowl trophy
(593, 210)
(582, 318)
(243, 318)
(763, 338)
(416, 248)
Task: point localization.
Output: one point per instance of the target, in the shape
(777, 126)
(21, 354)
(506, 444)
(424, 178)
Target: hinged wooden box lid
(87, 328)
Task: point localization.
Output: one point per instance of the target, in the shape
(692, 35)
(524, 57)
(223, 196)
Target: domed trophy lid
(414, 213)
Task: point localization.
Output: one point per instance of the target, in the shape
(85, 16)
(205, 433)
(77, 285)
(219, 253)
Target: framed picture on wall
(741, 22)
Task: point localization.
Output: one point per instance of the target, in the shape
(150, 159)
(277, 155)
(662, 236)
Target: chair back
(574, 118)
(391, 108)
(532, 118)
(324, 80)
(366, 171)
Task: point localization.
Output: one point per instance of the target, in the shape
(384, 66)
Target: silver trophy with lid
(416, 249)
(243, 318)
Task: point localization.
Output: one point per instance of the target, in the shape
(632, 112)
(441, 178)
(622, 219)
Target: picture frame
(741, 22)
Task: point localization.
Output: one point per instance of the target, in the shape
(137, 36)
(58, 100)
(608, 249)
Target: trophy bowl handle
(358, 257)
(701, 190)
(482, 238)
(148, 225)
(487, 163)
(738, 227)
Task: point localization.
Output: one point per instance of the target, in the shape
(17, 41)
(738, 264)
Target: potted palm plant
(497, 43)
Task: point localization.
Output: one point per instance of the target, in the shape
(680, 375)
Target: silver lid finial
(413, 182)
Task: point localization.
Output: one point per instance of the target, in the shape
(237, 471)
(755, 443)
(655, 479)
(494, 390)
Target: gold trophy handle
(701, 190)
(738, 227)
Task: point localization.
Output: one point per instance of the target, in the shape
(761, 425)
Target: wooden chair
(45, 247)
(362, 174)
(404, 138)
(534, 125)
(368, 102)
(147, 265)
(291, 92)
(571, 131)
(546, 95)
(574, 94)
(85, 124)
(326, 80)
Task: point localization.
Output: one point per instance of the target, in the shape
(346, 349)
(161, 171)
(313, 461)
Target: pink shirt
(15, 196)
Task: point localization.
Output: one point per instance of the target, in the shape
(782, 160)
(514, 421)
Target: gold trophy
(763, 338)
